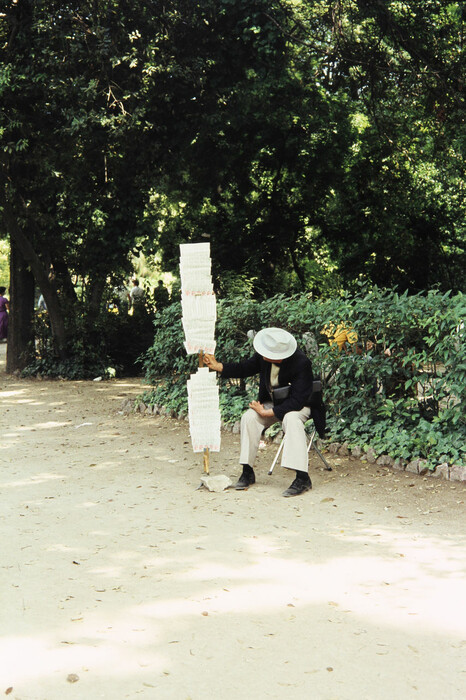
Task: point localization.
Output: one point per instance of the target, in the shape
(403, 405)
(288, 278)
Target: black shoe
(301, 484)
(246, 479)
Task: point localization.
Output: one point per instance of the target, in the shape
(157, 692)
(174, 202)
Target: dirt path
(120, 580)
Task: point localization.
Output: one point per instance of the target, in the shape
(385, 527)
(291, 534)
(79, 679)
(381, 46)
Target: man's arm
(242, 367)
(211, 363)
(238, 370)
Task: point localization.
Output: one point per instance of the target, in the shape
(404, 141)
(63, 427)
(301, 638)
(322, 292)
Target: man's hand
(211, 363)
(259, 408)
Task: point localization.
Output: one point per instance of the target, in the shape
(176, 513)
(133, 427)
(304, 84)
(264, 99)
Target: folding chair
(318, 415)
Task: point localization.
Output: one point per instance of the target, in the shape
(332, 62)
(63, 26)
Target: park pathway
(120, 579)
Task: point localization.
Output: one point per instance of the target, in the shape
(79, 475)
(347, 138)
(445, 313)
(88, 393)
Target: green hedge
(112, 346)
(403, 393)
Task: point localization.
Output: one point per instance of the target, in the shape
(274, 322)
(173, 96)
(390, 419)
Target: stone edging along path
(454, 472)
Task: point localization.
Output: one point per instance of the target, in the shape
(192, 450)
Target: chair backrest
(316, 400)
(318, 409)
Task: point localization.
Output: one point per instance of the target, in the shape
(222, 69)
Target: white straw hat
(274, 343)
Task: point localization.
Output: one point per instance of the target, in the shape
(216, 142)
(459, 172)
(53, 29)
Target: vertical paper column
(199, 310)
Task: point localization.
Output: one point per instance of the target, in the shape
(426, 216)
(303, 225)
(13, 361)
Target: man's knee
(292, 418)
(249, 417)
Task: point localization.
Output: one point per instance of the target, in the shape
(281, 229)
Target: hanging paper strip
(197, 298)
(204, 414)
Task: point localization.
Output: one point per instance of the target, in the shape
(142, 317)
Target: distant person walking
(161, 296)
(4, 306)
(136, 294)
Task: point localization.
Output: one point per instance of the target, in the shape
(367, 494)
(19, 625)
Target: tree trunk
(297, 267)
(20, 348)
(95, 297)
(19, 238)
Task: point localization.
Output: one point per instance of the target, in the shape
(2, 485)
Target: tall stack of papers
(197, 298)
(204, 414)
(199, 315)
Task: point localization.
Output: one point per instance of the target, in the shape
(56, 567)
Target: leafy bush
(405, 394)
(401, 390)
(112, 345)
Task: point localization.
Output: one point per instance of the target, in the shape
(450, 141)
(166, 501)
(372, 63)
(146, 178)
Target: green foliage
(334, 136)
(405, 394)
(4, 264)
(314, 144)
(403, 179)
(85, 360)
(111, 347)
(74, 166)
(400, 390)
(166, 364)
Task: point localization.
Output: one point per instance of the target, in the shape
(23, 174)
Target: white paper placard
(198, 300)
(203, 410)
(195, 269)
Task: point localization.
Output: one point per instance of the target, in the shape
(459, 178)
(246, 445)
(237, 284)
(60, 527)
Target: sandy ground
(119, 579)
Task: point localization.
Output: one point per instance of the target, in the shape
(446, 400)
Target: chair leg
(311, 444)
(319, 453)
(327, 465)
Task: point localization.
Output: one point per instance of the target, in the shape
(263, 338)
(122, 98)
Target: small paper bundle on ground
(199, 315)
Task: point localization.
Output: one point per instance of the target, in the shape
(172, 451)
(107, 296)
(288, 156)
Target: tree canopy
(314, 143)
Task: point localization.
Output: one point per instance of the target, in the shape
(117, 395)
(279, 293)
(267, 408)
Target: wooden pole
(206, 449)
(206, 460)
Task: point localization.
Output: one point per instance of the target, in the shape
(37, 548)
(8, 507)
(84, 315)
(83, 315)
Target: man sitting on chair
(283, 370)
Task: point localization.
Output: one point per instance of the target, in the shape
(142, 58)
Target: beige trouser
(294, 455)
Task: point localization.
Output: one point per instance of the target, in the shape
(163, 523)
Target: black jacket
(295, 371)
